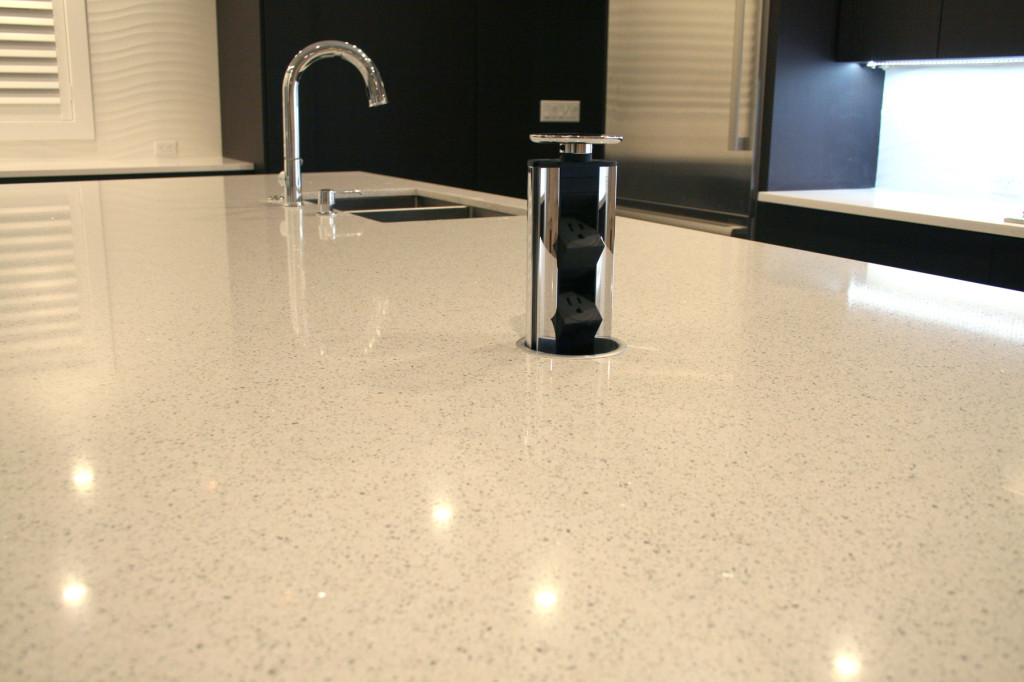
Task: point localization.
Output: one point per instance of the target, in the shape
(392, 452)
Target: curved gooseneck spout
(290, 102)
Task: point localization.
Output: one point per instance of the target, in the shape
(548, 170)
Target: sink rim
(424, 206)
(355, 202)
(446, 212)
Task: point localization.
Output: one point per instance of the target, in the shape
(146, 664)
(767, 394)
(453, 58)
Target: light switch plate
(561, 110)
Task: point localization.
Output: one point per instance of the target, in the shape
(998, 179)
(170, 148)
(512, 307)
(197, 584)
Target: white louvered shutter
(45, 91)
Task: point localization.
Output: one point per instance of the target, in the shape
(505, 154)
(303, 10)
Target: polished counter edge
(958, 213)
(47, 168)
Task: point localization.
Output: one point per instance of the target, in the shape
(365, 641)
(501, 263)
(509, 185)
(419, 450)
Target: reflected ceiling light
(545, 599)
(83, 478)
(943, 62)
(74, 594)
(442, 513)
(846, 666)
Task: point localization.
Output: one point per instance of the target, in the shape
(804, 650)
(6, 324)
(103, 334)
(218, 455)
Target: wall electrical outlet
(165, 148)
(562, 110)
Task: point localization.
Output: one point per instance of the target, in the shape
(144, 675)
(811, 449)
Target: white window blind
(45, 88)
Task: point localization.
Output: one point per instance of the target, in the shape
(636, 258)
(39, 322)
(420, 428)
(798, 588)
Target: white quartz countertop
(958, 213)
(233, 450)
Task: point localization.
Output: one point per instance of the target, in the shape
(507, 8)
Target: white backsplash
(953, 130)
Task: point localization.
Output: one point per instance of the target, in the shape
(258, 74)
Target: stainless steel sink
(450, 212)
(371, 202)
(394, 208)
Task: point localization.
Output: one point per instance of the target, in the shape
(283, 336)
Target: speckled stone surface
(231, 452)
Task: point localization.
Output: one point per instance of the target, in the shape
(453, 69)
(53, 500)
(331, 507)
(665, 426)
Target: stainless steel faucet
(290, 102)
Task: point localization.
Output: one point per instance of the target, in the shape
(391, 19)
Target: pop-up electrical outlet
(562, 110)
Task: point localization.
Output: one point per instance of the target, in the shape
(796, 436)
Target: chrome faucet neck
(375, 95)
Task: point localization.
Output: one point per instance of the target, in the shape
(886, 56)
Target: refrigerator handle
(737, 141)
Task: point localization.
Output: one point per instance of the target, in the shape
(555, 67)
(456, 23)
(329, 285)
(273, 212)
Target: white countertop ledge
(959, 213)
(49, 168)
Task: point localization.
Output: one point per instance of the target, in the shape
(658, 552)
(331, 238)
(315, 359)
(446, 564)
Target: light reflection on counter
(310, 322)
(550, 378)
(442, 515)
(56, 291)
(74, 593)
(83, 478)
(546, 599)
(971, 307)
(846, 666)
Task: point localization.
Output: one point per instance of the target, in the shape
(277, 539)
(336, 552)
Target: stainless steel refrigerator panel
(683, 78)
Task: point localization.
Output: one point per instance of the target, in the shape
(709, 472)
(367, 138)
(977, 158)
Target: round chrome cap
(576, 144)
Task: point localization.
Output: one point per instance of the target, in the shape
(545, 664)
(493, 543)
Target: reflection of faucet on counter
(292, 231)
(375, 94)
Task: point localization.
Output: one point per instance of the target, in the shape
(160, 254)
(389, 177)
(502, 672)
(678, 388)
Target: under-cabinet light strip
(944, 62)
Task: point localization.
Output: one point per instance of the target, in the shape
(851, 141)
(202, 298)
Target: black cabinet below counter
(882, 30)
(973, 256)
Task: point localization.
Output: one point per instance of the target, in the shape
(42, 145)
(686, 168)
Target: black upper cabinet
(929, 29)
(883, 29)
(982, 28)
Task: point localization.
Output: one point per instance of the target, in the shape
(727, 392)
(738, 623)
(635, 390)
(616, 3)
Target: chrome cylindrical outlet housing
(571, 213)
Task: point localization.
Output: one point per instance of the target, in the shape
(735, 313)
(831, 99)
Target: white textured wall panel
(154, 77)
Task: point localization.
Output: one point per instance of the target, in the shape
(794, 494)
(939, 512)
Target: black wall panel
(426, 54)
(532, 50)
(464, 79)
(822, 118)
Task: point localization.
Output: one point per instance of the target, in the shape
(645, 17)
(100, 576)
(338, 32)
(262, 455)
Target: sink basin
(364, 203)
(394, 208)
(450, 212)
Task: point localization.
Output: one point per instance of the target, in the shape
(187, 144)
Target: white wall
(154, 77)
(953, 130)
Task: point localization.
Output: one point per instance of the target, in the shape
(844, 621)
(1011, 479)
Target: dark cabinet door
(982, 28)
(884, 29)
(1008, 263)
(924, 248)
